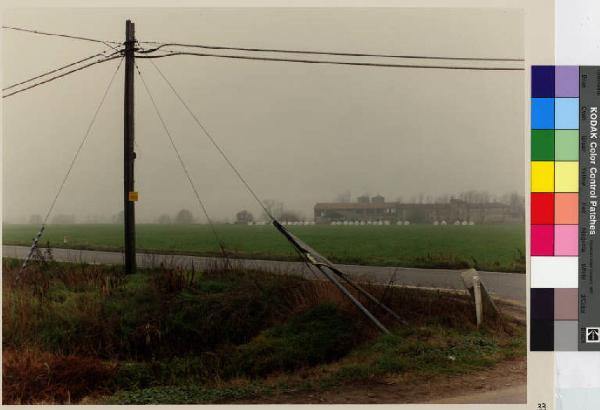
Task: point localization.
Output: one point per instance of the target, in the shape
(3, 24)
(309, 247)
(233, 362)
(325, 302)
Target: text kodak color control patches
(565, 257)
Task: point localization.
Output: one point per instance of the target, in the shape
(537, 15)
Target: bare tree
(244, 217)
(184, 217)
(164, 219)
(274, 207)
(290, 216)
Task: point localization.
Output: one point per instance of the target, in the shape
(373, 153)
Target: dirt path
(504, 383)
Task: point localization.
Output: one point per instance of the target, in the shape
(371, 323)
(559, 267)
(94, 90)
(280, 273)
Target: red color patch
(542, 208)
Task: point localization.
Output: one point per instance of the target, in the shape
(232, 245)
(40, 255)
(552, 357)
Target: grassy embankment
(484, 247)
(82, 332)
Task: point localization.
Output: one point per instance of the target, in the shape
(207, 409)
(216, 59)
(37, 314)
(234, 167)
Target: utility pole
(130, 196)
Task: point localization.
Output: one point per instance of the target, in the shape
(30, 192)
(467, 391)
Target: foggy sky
(299, 133)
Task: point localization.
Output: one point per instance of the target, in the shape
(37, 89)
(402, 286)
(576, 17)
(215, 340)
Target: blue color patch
(567, 113)
(542, 81)
(542, 113)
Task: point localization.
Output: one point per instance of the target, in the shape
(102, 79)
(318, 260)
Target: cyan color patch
(567, 113)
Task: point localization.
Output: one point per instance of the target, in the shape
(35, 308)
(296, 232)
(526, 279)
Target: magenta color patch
(542, 240)
(566, 240)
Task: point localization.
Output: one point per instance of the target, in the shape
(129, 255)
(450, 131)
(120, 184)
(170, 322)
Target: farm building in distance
(376, 209)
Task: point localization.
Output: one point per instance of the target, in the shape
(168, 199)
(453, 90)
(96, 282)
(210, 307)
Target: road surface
(509, 286)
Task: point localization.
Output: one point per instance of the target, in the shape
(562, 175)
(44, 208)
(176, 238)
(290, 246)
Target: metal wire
(212, 140)
(103, 53)
(44, 33)
(171, 53)
(329, 53)
(71, 165)
(109, 58)
(182, 163)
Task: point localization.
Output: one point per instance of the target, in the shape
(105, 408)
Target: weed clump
(320, 335)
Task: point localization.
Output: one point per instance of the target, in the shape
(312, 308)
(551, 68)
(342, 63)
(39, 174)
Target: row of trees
(275, 208)
(473, 197)
(184, 216)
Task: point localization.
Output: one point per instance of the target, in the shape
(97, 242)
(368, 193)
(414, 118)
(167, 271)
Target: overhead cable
(182, 163)
(214, 143)
(103, 53)
(329, 53)
(44, 33)
(69, 169)
(331, 62)
(103, 60)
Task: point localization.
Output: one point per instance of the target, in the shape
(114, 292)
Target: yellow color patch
(133, 196)
(567, 176)
(542, 176)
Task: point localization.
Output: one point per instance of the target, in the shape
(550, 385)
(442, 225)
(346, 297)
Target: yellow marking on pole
(133, 196)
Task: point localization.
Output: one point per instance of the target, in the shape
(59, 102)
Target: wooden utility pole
(130, 196)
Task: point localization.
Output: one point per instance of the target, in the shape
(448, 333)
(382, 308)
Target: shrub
(320, 335)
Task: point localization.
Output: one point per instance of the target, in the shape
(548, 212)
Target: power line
(103, 53)
(85, 137)
(71, 165)
(329, 53)
(302, 257)
(182, 163)
(212, 140)
(109, 58)
(289, 60)
(44, 33)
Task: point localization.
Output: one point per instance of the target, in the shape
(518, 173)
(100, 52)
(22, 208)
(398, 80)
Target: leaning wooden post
(484, 304)
(477, 299)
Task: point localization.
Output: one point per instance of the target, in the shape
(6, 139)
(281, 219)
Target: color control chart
(565, 257)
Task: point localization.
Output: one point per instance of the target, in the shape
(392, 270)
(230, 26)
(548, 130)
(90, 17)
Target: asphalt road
(509, 286)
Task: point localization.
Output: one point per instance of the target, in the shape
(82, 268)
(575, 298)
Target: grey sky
(299, 133)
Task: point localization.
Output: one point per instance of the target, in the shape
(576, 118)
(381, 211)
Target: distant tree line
(272, 207)
(184, 216)
(514, 199)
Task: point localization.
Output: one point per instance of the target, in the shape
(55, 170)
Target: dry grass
(33, 377)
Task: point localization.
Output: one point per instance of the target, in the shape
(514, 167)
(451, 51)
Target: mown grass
(484, 247)
(87, 332)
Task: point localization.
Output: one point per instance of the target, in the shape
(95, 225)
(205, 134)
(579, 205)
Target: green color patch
(567, 145)
(542, 145)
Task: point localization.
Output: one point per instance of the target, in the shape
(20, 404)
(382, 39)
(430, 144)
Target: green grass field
(485, 247)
